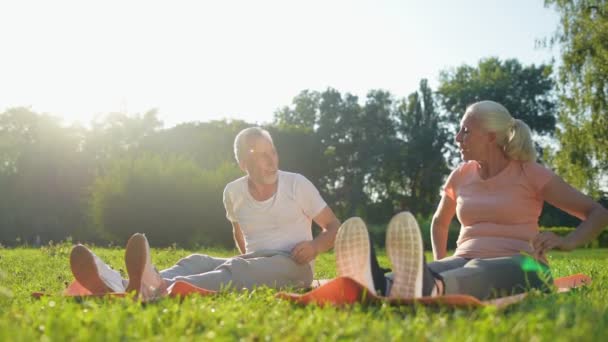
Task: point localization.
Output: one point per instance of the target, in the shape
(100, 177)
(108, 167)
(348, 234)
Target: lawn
(579, 315)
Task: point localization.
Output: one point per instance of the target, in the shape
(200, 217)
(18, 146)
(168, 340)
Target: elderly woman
(497, 195)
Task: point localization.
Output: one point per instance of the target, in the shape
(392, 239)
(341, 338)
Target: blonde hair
(243, 140)
(512, 135)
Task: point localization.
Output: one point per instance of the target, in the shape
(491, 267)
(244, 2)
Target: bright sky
(204, 60)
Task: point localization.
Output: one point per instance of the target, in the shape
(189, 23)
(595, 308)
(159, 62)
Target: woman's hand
(546, 241)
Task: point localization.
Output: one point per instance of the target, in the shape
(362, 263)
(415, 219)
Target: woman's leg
(378, 273)
(447, 264)
(496, 277)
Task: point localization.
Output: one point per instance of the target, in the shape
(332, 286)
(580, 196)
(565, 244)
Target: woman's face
(472, 139)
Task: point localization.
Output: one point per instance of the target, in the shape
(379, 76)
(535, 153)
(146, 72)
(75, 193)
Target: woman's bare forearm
(589, 229)
(439, 238)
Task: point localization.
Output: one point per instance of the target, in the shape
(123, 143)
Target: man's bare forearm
(325, 240)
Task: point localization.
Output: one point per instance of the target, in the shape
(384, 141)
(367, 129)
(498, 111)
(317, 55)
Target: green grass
(579, 315)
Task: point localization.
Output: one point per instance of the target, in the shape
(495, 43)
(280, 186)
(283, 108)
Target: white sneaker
(94, 274)
(144, 279)
(352, 250)
(405, 251)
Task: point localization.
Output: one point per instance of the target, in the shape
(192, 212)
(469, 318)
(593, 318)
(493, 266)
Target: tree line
(369, 157)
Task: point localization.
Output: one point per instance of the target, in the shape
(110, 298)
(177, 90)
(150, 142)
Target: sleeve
(449, 188)
(228, 205)
(308, 197)
(537, 175)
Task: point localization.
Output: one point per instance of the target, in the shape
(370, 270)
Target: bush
(171, 200)
(378, 233)
(600, 241)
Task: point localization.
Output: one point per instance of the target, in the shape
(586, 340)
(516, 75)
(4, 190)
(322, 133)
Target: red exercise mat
(344, 290)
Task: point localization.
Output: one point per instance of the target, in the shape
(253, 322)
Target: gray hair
(512, 135)
(243, 140)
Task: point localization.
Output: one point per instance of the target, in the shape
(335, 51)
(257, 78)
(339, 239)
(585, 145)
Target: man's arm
(306, 251)
(239, 240)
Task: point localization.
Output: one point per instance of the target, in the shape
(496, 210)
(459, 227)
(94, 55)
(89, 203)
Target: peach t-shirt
(499, 215)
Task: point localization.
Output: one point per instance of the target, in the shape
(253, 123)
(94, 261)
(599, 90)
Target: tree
(526, 91)
(416, 165)
(376, 158)
(172, 199)
(44, 175)
(209, 144)
(305, 111)
(582, 158)
(117, 134)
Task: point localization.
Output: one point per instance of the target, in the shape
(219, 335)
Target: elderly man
(271, 212)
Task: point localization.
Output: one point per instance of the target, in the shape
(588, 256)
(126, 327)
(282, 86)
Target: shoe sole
(135, 260)
(405, 251)
(353, 252)
(85, 271)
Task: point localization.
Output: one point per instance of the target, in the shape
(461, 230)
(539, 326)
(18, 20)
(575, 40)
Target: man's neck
(262, 192)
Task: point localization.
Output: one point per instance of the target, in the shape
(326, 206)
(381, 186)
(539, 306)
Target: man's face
(261, 161)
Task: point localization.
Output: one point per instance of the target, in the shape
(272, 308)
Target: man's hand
(304, 252)
(546, 241)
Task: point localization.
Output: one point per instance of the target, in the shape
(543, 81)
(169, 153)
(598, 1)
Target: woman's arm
(440, 226)
(593, 215)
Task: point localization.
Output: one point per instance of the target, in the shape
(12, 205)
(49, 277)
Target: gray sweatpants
(490, 278)
(262, 268)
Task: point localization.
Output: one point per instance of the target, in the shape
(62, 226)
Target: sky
(209, 60)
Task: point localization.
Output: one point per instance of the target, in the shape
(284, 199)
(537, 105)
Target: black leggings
(480, 278)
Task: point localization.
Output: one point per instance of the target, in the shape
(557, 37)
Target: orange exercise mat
(179, 288)
(344, 290)
(341, 291)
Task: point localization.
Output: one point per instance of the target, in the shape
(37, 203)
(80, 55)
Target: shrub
(600, 241)
(378, 233)
(170, 199)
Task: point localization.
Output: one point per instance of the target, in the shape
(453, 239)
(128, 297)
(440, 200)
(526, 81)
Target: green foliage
(257, 315)
(582, 158)
(43, 177)
(370, 159)
(169, 199)
(299, 151)
(526, 91)
(417, 165)
(378, 233)
(600, 241)
(209, 144)
(552, 216)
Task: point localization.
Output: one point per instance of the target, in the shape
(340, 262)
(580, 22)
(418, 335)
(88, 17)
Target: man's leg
(94, 274)
(496, 277)
(191, 265)
(257, 269)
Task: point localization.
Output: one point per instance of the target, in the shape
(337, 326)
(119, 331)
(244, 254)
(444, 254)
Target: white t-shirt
(279, 222)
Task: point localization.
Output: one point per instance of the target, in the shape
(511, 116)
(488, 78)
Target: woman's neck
(493, 165)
